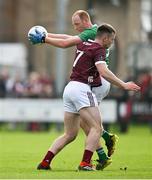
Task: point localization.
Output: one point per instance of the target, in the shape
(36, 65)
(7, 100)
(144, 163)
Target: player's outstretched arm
(59, 36)
(63, 43)
(39, 35)
(108, 75)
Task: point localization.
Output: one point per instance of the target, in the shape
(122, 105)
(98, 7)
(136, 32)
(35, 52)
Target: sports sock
(48, 157)
(87, 156)
(106, 136)
(101, 154)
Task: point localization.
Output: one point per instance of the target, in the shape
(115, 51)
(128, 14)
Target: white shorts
(101, 91)
(78, 95)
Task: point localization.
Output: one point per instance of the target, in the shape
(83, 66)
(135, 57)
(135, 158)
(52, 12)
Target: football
(37, 34)
(37, 28)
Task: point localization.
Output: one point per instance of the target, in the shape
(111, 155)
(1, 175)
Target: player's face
(78, 24)
(109, 40)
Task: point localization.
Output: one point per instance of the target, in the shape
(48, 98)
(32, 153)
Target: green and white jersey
(90, 33)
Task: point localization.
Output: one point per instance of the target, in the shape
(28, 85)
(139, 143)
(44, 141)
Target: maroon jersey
(84, 69)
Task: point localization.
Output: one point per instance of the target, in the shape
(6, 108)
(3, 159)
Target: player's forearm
(61, 43)
(60, 36)
(109, 76)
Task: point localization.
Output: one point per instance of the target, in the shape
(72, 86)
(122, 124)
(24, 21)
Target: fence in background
(51, 110)
(45, 110)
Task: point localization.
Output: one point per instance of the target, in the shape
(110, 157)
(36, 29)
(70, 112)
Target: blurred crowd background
(42, 71)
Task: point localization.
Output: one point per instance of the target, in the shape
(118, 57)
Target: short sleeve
(100, 56)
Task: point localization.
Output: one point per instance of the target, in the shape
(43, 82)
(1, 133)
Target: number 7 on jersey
(80, 53)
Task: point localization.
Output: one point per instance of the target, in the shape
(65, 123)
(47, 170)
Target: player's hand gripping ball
(37, 34)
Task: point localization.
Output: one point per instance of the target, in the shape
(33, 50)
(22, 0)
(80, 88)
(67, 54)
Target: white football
(39, 28)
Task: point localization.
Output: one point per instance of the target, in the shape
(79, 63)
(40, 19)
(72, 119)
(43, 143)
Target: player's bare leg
(91, 117)
(71, 128)
(103, 160)
(110, 139)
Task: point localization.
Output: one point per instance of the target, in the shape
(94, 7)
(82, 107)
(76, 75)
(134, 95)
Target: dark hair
(105, 28)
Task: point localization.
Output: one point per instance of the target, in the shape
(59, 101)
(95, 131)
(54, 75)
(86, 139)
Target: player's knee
(71, 137)
(97, 129)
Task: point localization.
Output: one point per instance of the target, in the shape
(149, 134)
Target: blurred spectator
(144, 79)
(33, 86)
(39, 86)
(18, 87)
(2, 87)
(3, 79)
(47, 90)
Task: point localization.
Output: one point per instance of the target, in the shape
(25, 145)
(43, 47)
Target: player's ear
(84, 20)
(105, 37)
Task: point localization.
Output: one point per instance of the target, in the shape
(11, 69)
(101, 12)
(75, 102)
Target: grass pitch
(20, 152)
